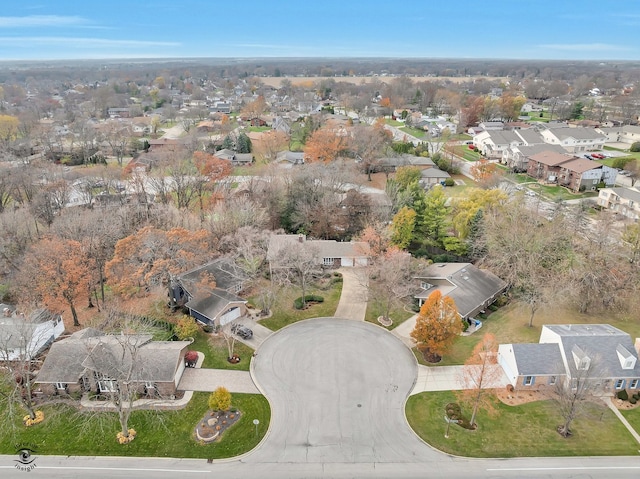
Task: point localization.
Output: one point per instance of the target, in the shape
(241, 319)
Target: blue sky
(521, 29)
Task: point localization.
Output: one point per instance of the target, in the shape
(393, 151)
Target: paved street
(337, 389)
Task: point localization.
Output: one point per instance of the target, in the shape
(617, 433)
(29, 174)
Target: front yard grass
(417, 132)
(560, 193)
(399, 314)
(633, 416)
(215, 352)
(509, 432)
(66, 431)
(464, 152)
(284, 313)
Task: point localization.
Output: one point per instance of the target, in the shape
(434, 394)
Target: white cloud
(81, 42)
(41, 21)
(585, 47)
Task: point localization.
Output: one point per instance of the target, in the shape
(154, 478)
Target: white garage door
(346, 261)
(233, 313)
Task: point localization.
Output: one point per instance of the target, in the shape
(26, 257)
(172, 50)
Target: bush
(310, 298)
(449, 182)
(207, 328)
(622, 394)
(220, 399)
(186, 328)
(635, 147)
(636, 395)
(620, 163)
(633, 400)
(501, 300)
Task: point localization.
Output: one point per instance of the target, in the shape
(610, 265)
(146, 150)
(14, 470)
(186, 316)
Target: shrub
(633, 400)
(635, 147)
(449, 182)
(186, 328)
(310, 298)
(501, 300)
(622, 394)
(220, 399)
(207, 328)
(620, 163)
(636, 395)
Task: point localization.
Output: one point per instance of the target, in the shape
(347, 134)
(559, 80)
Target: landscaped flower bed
(30, 422)
(122, 439)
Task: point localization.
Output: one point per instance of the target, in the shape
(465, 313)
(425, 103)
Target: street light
(256, 422)
(448, 421)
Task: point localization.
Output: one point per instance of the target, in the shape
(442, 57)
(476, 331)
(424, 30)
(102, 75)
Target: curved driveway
(337, 389)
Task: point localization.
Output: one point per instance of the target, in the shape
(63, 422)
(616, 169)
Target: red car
(599, 156)
(472, 146)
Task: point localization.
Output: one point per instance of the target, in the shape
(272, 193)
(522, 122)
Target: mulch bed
(214, 423)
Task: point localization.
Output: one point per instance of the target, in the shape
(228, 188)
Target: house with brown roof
(575, 173)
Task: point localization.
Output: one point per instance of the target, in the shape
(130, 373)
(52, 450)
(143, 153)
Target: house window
(528, 380)
(619, 383)
(61, 386)
(425, 285)
(633, 384)
(553, 380)
(106, 384)
(328, 261)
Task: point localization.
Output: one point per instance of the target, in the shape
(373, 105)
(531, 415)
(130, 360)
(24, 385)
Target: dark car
(242, 331)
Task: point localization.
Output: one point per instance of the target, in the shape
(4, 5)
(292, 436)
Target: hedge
(310, 298)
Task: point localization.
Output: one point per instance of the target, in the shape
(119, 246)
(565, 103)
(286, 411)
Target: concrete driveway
(353, 299)
(337, 389)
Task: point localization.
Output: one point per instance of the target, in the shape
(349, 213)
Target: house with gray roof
(90, 360)
(624, 201)
(603, 355)
(574, 140)
(24, 337)
(432, 176)
(472, 289)
(328, 253)
(210, 292)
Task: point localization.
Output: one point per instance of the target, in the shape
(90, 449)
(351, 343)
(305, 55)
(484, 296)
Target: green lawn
(259, 129)
(215, 352)
(463, 151)
(559, 193)
(516, 431)
(66, 431)
(391, 122)
(284, 313)
(399, 314)
(633, 416)
(418, 133)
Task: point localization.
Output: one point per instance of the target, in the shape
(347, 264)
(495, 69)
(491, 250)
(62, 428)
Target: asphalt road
(335, 398)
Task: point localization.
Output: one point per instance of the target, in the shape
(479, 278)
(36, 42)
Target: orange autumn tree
(55, 270)
(206, 188)
(437, 326)
(483, 171)
(148, 257)
(325, 145)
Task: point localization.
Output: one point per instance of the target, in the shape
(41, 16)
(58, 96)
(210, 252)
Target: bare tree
(297, 264)
(573, 390)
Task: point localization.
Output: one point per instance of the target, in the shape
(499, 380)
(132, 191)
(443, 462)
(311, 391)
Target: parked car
(588, 157)
(242, 331)
(599, 156)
